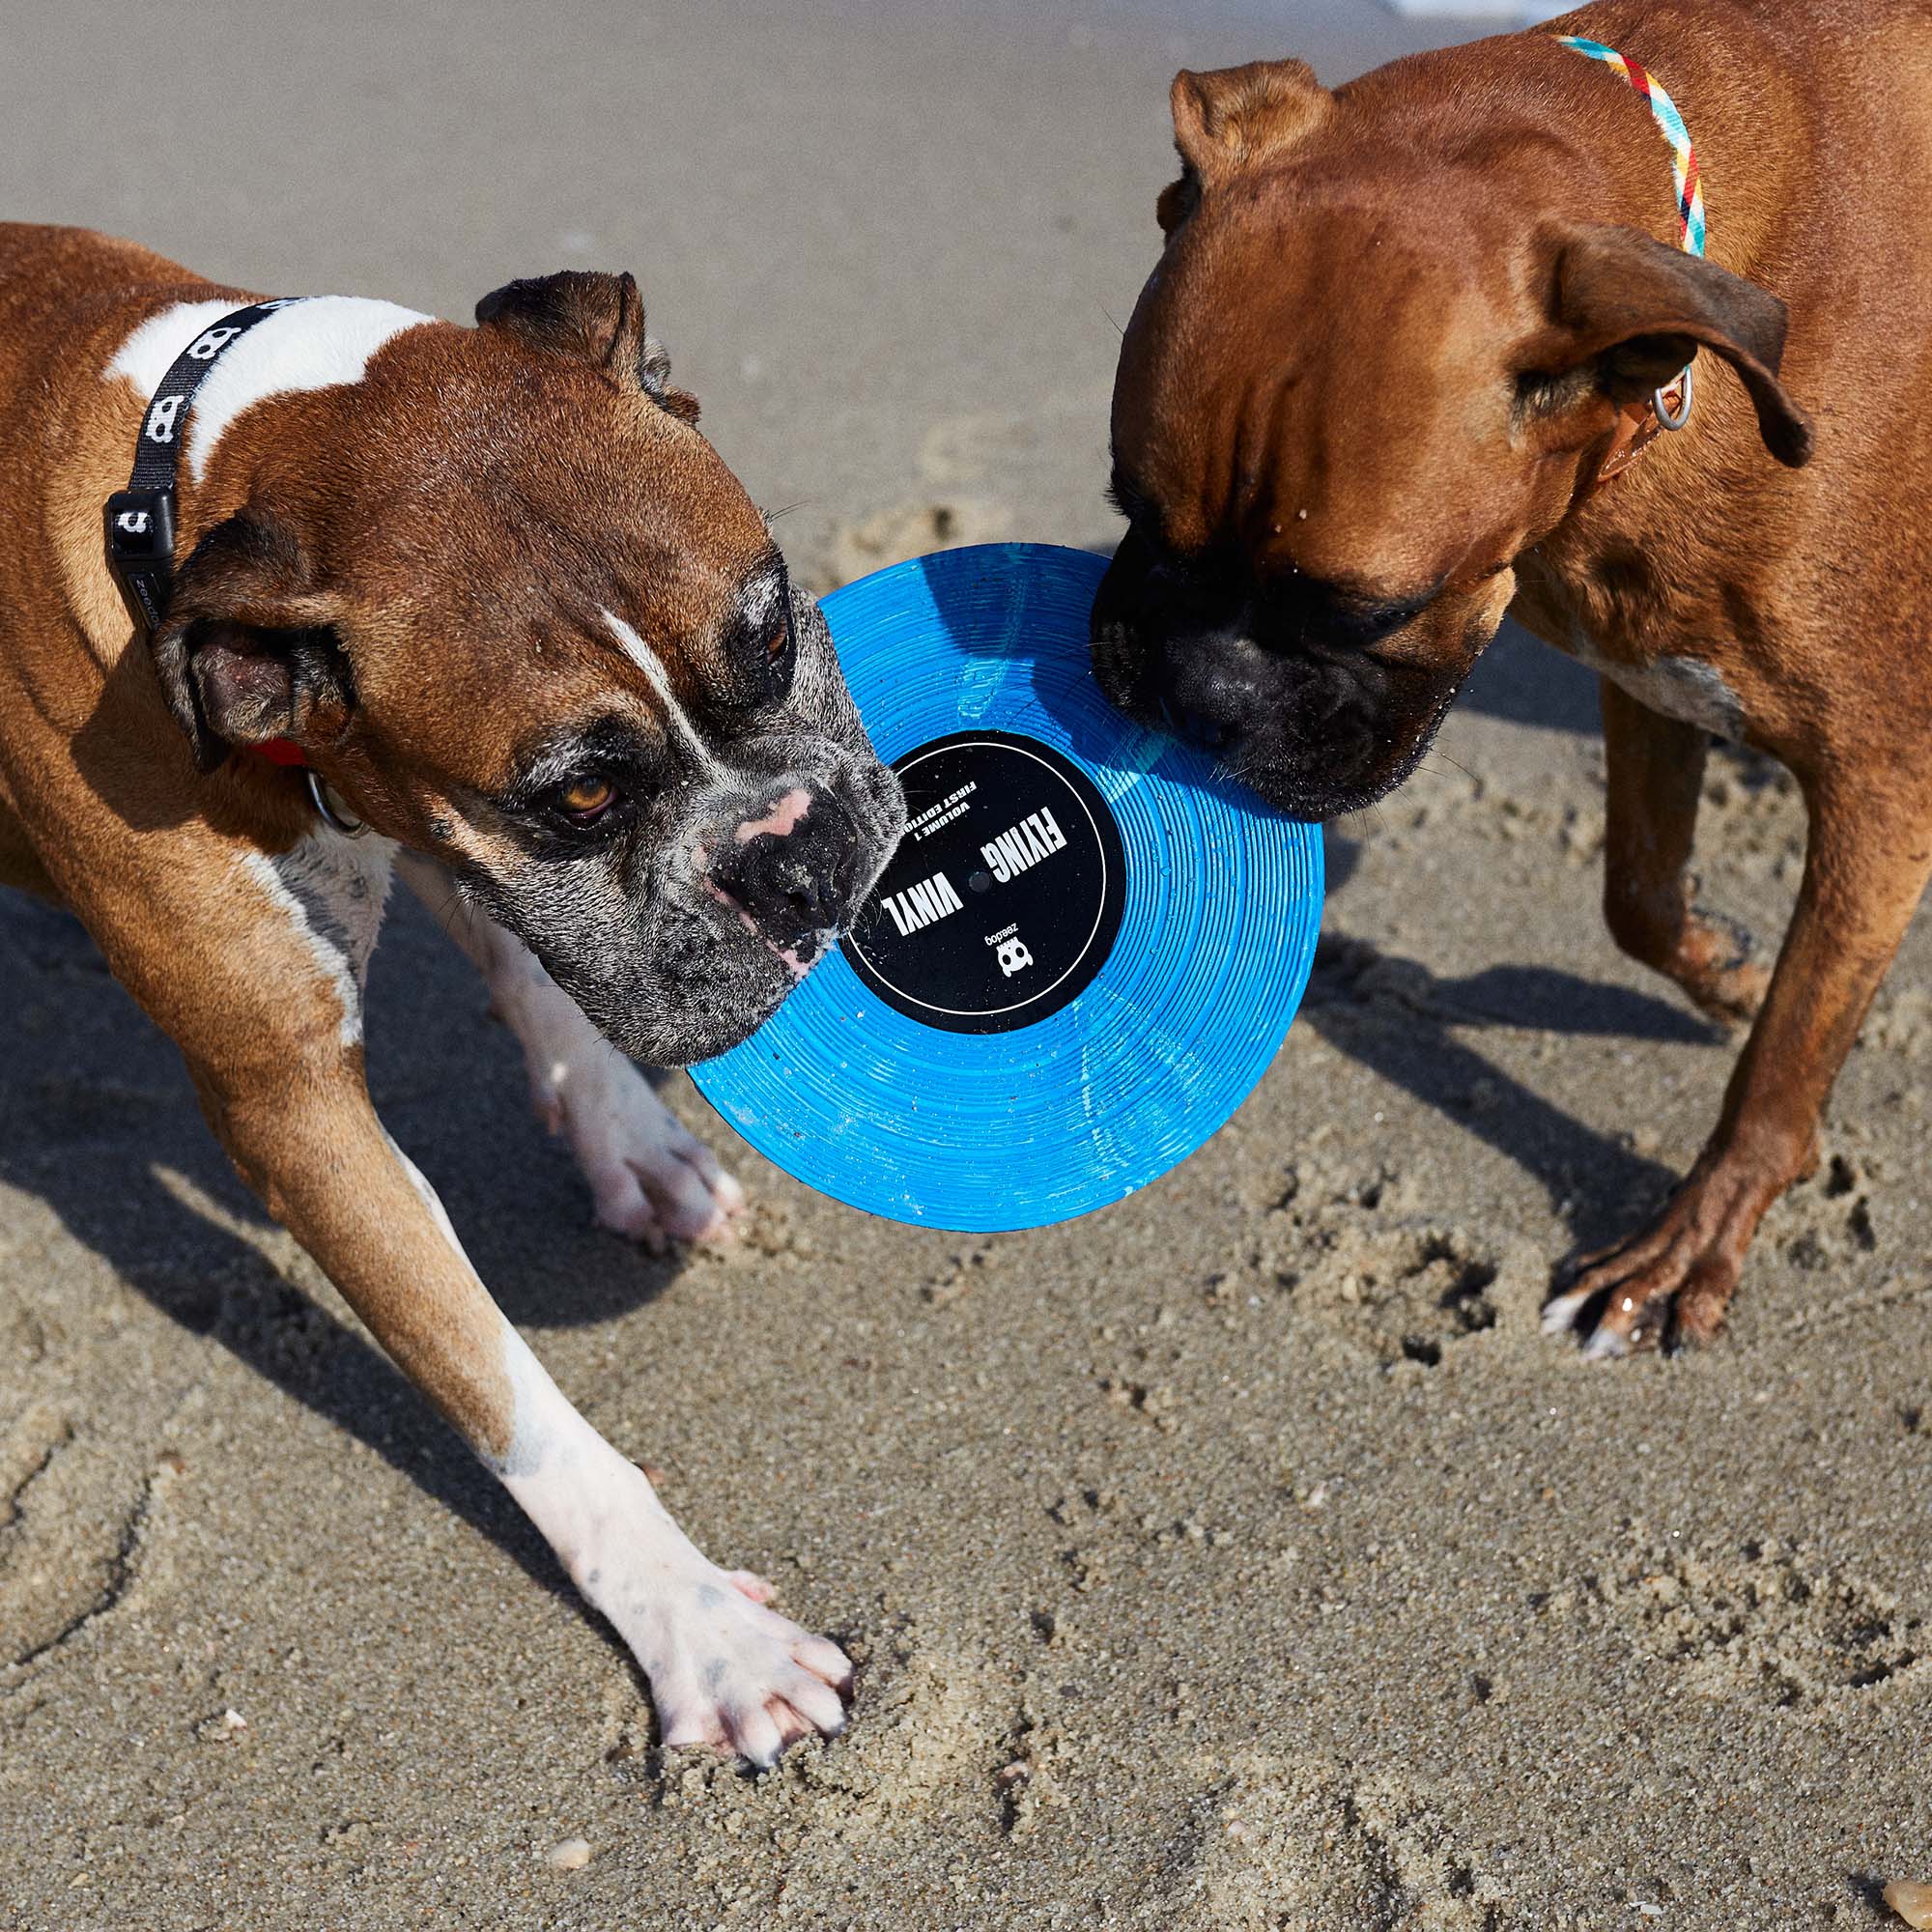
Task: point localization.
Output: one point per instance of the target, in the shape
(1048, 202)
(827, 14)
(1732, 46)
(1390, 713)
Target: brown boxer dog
(1393, 376)
(538, 648)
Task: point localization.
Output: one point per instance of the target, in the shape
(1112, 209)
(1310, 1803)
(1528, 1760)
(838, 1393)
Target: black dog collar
(141, 518)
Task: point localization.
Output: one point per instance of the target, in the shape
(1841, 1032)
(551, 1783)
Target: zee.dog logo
(135, 523)
(210, 342)
(161, 419)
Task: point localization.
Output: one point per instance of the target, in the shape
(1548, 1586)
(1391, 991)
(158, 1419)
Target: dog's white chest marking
(310, 345)
(1687, 689)
(332, 889)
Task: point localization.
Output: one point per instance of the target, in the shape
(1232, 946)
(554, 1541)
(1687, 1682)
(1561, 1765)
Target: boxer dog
(540, 656)
(1401, 369)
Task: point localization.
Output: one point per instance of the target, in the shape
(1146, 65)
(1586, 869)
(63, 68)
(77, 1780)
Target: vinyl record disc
(1085, 952)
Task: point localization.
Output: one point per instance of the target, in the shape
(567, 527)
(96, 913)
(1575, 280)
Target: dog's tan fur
(1374, 264)
(472, 634)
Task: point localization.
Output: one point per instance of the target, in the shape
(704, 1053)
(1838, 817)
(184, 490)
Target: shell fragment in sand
(572, 1855)
(1912, 1902)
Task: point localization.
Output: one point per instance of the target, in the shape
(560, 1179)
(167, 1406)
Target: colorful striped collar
(1664, 110)
(1669, 408)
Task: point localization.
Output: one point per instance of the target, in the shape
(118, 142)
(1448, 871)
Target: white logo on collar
(161, 419)
(319, 342)
(133, 522)
(210, 342)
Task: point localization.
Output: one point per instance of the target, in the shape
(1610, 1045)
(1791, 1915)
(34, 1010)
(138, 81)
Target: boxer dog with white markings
(482, 608)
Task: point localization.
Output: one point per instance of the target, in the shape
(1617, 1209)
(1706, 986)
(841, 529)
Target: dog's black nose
(792, 870)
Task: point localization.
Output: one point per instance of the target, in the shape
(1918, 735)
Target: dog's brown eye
(586, 799)
(774, 646)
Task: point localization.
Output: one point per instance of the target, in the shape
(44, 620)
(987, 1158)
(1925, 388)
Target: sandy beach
(1239, 1557)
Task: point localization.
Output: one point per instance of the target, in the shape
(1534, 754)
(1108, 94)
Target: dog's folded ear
(250, 650)
(1639, 310)
(1234, 116)
(592, 318)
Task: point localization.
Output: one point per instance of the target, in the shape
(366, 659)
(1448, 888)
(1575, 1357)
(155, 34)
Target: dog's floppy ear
(248, 649)
(1639, 310)
(1234, 115)
(594, 317)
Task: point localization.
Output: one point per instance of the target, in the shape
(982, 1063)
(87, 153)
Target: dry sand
(1239, 1557)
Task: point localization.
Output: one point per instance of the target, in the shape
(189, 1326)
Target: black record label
(1005, 896)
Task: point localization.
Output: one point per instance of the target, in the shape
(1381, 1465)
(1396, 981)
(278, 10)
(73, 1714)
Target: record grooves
(1085, 952)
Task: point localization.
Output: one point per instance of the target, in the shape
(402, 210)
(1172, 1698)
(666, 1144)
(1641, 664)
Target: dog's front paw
(651, 1179)
(1669, 1284)
(727, 1671)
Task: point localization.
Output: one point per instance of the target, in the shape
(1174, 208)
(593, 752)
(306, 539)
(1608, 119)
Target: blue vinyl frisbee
(1085, 952)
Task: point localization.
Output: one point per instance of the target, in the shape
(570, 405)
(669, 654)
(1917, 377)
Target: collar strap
(1663, 111)
(1641, 424)
(141, 518)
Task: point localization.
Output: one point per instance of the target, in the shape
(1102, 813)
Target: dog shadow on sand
(1412, 1026)
(98, 1119)
(1408, 1024)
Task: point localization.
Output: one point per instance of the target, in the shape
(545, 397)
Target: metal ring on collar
(353, 828)
(1665, 415)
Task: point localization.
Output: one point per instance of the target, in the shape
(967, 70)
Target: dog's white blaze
(332, 889)
(645, 658)
(1687, 689)
(310, 345)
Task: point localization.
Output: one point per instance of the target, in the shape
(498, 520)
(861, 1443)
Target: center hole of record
(1029, 836)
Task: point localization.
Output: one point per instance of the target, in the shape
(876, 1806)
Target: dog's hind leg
(650, 1178)
(1656, 769)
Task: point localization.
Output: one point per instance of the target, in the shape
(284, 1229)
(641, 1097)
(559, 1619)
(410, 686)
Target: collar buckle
(141, 550)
